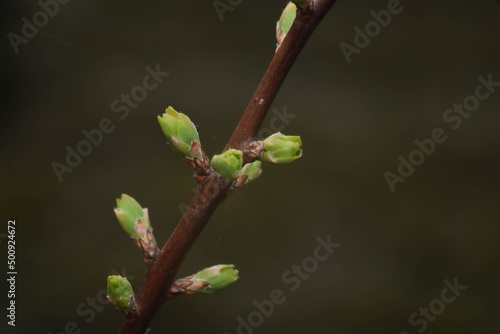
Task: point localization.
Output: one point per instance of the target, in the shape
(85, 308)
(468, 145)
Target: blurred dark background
(355, 119)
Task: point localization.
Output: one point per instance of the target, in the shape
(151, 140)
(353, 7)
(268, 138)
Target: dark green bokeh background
(354, 119)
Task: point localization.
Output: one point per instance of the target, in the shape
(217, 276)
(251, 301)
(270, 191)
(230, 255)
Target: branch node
(237, 184)
(148, 246)
(304, 7)
(252, 151)
(181, 287)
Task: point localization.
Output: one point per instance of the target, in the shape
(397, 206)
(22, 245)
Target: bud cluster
(233, 168)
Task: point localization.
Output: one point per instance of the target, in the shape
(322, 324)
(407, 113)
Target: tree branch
(161, 272)
(285, 57)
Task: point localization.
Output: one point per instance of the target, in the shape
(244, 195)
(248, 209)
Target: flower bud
(281, 149)
(180, 132)
(129, 212)
(285, 22)
(219, 277)
(120, 292)
(228, 164)
(253, 170)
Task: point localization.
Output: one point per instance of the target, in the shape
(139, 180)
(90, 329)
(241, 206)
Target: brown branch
(211, 192)
(285, 57)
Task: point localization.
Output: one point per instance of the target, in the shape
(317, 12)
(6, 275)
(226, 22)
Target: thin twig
(276, 73)
(161, 272)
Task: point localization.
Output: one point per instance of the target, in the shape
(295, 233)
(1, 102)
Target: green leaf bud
(180, 132)
(285, 22)
(253, 170)
(128, 212)
(281, 149)
(220, 277)
(120, 292)
(228, 164)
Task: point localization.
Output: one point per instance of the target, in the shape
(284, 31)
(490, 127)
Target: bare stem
(161, 272)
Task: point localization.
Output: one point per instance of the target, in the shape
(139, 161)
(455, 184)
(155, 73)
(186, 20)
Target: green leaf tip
(281, 149)
(129, 212)
(120, 292)
(220, 277)
(228, 164)
(181, 133)
(285, 22)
